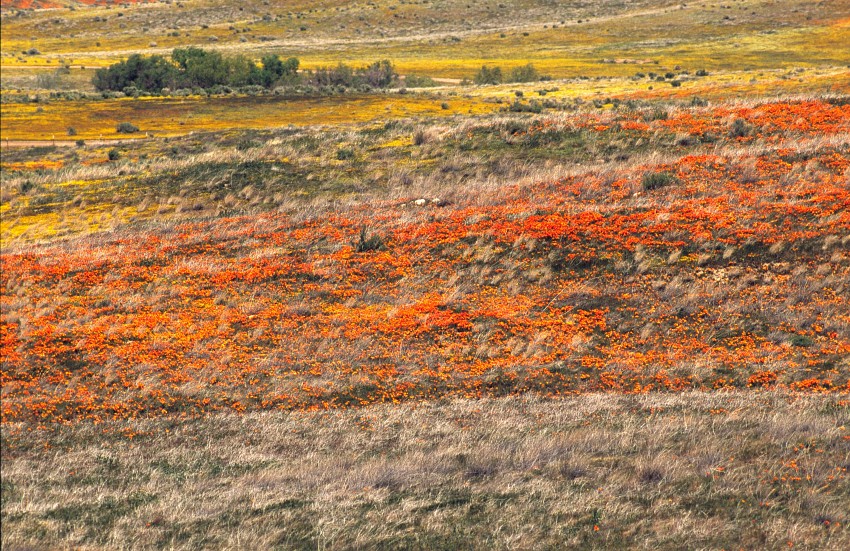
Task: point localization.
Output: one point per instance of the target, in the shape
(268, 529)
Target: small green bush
(72, 131)
(344, 154)
(801, 340)
(126, 128)
(416, 81)
(113, 155)
(367, 243)
(488, 75)
(526, 73)
(420, 137)
(740, 129)
(531, 107)
(655, 180)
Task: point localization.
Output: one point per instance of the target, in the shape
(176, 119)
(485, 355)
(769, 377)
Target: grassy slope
(234, 278)
(680, 471)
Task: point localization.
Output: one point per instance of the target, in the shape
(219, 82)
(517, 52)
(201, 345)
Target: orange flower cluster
(733, 276)
(769, 121)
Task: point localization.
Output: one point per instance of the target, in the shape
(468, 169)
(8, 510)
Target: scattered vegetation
(493, 75)
(520, 315)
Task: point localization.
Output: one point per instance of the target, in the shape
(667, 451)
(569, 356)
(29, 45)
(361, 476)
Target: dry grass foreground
(659, 471)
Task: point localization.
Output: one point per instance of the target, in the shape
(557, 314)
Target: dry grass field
(751, 470)
(604, 308)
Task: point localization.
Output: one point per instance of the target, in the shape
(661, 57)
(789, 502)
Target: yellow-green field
(598, 51)
(49, 121)
(174, 116)
(442, 40)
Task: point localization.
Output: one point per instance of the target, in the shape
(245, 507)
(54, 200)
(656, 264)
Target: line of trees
(493, 75)
(193, 68)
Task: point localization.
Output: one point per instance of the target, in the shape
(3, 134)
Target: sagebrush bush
(526, 73)
(344, 154)
(655, 180)
(740, 129)
(126, 128)
(417, 81)
(367, 243)
(488, 75)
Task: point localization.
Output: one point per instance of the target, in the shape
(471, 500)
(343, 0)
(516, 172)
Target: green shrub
(381, 74)
(526, 73)
(344, 154)
(531, 107)
(801, 340)
(72, 131)
(113, 155)
(242, 145)
(416, 81)
(366, 243)
(655, 180)
(488, 75)
(740, 129)
(126, 128)
(194, 68)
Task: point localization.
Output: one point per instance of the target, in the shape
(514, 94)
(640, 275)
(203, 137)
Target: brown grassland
(608, 309)
(751, 470)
